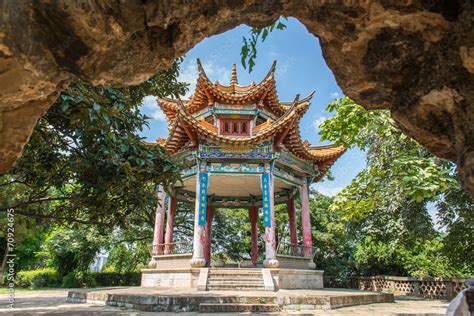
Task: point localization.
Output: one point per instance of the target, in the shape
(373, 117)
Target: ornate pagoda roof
(185, 128)
(263, 95)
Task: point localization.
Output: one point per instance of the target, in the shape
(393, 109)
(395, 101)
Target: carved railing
(445, 288)
(426, 287)
(295, 250)
(177, 248)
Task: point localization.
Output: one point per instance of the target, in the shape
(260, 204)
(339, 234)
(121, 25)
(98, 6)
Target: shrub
(117, 279)
(77, 279)
(47, 277)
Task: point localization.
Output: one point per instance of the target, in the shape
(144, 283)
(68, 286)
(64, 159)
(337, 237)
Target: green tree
(330, 236)
(455, 211)
(85, 161)
(231, 233)
(72, 248)
(386, 205)
(127, 257)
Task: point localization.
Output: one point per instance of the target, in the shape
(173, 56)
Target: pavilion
(240, 147)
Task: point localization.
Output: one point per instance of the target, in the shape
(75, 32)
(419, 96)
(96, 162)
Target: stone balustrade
(441, 288)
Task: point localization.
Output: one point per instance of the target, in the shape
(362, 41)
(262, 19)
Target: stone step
(235, 286)
(247, 299)
(216, 282)
(233, 308)
(250, 280)
(230, 275)
(229, 270)
(234, 275)
(221, 272)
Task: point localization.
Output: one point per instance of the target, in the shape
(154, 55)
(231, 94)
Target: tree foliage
(395, 162)
(331, 237)
(85, 161)
(72, 249)
(248, 52)
(386, 205)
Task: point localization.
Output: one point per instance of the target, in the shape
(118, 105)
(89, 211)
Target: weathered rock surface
(414, 57)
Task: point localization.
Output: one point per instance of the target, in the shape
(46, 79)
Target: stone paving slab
(53, 302)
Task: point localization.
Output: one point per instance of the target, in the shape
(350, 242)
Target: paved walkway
(53, 302)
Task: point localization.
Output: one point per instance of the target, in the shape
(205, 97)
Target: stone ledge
(268, 280)
(297, 271)
(187, 300)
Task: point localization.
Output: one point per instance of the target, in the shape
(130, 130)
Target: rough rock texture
(414, 57)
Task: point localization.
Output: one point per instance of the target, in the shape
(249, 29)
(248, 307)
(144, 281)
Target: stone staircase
(237, 307)
(235, 279)
(240, 304)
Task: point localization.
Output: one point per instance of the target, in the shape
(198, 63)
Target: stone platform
(233, 278)
(187, 300)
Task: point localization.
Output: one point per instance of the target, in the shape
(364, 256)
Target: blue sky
(300, 69)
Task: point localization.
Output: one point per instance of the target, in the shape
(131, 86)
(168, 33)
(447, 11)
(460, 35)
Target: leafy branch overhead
(248, 51)
(85, 161)
(393, 159)
(388, 203)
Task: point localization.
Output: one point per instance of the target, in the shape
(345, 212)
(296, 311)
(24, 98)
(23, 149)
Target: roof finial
(233, 78)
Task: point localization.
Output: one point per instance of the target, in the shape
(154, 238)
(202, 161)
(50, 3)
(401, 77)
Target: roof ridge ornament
(233, 78)
(271, 72)
(181, 105)
(201, 70)
(308, 97)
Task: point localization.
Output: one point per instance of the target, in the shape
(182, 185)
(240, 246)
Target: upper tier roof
(185, 128)
(263, 95)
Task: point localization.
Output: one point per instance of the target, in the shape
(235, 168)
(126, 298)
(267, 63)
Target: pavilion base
(297, 279)
(164, 299)
(272, 279)
(178, 278)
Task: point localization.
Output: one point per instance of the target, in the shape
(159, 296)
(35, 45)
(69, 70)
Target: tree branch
(50, 216)
(48, 199)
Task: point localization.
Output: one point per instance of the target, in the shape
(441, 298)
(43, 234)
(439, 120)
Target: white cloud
(189, 74)
(150, 103)
(158, 115)
(334, 95)
(329, 191)
(318, 122)
(273, 54)
(215, 72)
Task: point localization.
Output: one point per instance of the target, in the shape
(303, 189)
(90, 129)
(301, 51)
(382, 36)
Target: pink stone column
(254, 232)
(270, 241)
(207, 246)
(159, 222)
(199, 240)
(306, 223)
(292, 217)
(170, 224)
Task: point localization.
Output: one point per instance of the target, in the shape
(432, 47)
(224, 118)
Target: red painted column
(306, 220)
(292, 217)
(159, 221)
(254, 233)
(270, 241)
(170, 224)
(207, 245)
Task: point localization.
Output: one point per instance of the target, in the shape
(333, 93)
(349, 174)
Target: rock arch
(415, 58)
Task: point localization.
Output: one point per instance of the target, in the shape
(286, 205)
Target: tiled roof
(185, 130)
